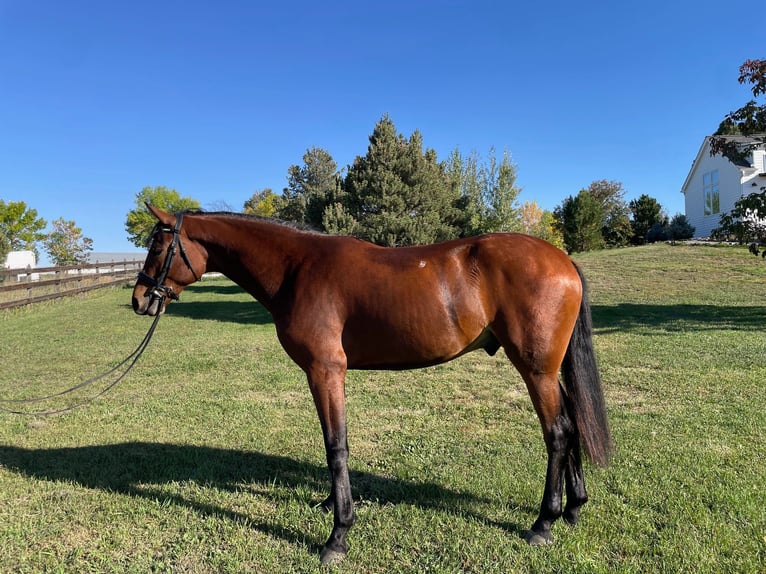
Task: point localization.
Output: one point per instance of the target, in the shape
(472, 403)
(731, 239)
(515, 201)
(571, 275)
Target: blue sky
(217, 99)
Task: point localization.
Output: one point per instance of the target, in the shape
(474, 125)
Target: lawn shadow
(249, 311)
(140, 469)
(245, 312)
(677, 318)
(216, 288)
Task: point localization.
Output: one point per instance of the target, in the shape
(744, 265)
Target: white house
(20, 260)
(715, 183)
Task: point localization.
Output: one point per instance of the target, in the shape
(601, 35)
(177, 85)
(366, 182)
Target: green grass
(208, 457)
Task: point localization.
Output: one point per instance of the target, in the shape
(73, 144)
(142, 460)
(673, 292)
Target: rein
(132, 359)
(160, 291)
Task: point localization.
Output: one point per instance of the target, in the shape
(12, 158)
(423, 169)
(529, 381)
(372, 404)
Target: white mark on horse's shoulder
(422, 264)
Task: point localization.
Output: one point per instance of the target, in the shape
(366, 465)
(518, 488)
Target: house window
(710, 192)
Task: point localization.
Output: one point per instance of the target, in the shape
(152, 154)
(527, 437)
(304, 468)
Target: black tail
(583, 387)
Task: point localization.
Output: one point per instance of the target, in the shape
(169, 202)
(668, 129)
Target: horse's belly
(412, 346)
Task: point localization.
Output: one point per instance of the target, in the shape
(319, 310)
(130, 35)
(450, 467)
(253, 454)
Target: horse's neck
(257, 255)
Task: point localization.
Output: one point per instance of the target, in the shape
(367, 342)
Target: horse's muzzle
(150, 304)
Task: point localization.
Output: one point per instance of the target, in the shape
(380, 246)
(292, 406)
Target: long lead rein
(159, 290)
(135, 355)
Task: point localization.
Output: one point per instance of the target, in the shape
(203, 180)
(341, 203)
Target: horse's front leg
(327, 383)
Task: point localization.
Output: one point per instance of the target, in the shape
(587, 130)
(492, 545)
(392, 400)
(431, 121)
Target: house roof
(95, 257)
(740, 141)
(744, 142)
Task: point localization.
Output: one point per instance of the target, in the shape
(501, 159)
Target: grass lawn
(208, 457)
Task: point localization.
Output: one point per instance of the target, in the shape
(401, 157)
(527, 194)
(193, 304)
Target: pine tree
(580, 219)
(646, 213)
(398, 193)
(310, 188)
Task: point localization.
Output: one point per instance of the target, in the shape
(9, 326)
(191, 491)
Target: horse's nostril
(135, 304)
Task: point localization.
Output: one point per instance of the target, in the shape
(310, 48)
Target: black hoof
(535, 539)
(328, 556)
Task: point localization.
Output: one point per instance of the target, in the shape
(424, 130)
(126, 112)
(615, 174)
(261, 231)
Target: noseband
(159, 289)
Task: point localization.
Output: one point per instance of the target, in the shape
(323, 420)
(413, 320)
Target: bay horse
(341, 303)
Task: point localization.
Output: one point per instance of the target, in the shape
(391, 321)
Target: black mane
(250, 217)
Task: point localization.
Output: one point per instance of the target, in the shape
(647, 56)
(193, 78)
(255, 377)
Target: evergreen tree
(399, 194)
(580, 219)
(646, 213)
(680, 228)
(338, 221)
(310, 188)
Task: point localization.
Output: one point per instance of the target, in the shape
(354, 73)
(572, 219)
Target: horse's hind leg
(575, 483)
(560, 437)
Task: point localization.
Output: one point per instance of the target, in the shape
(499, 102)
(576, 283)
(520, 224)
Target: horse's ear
(163, 217)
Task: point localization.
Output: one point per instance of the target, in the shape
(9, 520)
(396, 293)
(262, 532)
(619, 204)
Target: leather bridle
(159, 288)
(160, 291)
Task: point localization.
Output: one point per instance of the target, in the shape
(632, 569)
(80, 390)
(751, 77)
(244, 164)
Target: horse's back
(415, 306)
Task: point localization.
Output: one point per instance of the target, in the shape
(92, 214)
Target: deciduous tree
(540, 223)
(735, 225)
(5, 248)
(616, 229)
(20, 227)
(749, 120)
(488, 194)
(265, 203)
(465, 174)
(65, 244)
(139, 222)
(500, 194)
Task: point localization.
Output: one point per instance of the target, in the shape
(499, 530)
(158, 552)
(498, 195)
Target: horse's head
(174, 261)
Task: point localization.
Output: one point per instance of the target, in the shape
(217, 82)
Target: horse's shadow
(249, 312)
(140, 469)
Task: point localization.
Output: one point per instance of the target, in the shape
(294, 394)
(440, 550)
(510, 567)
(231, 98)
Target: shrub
(680, 228)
